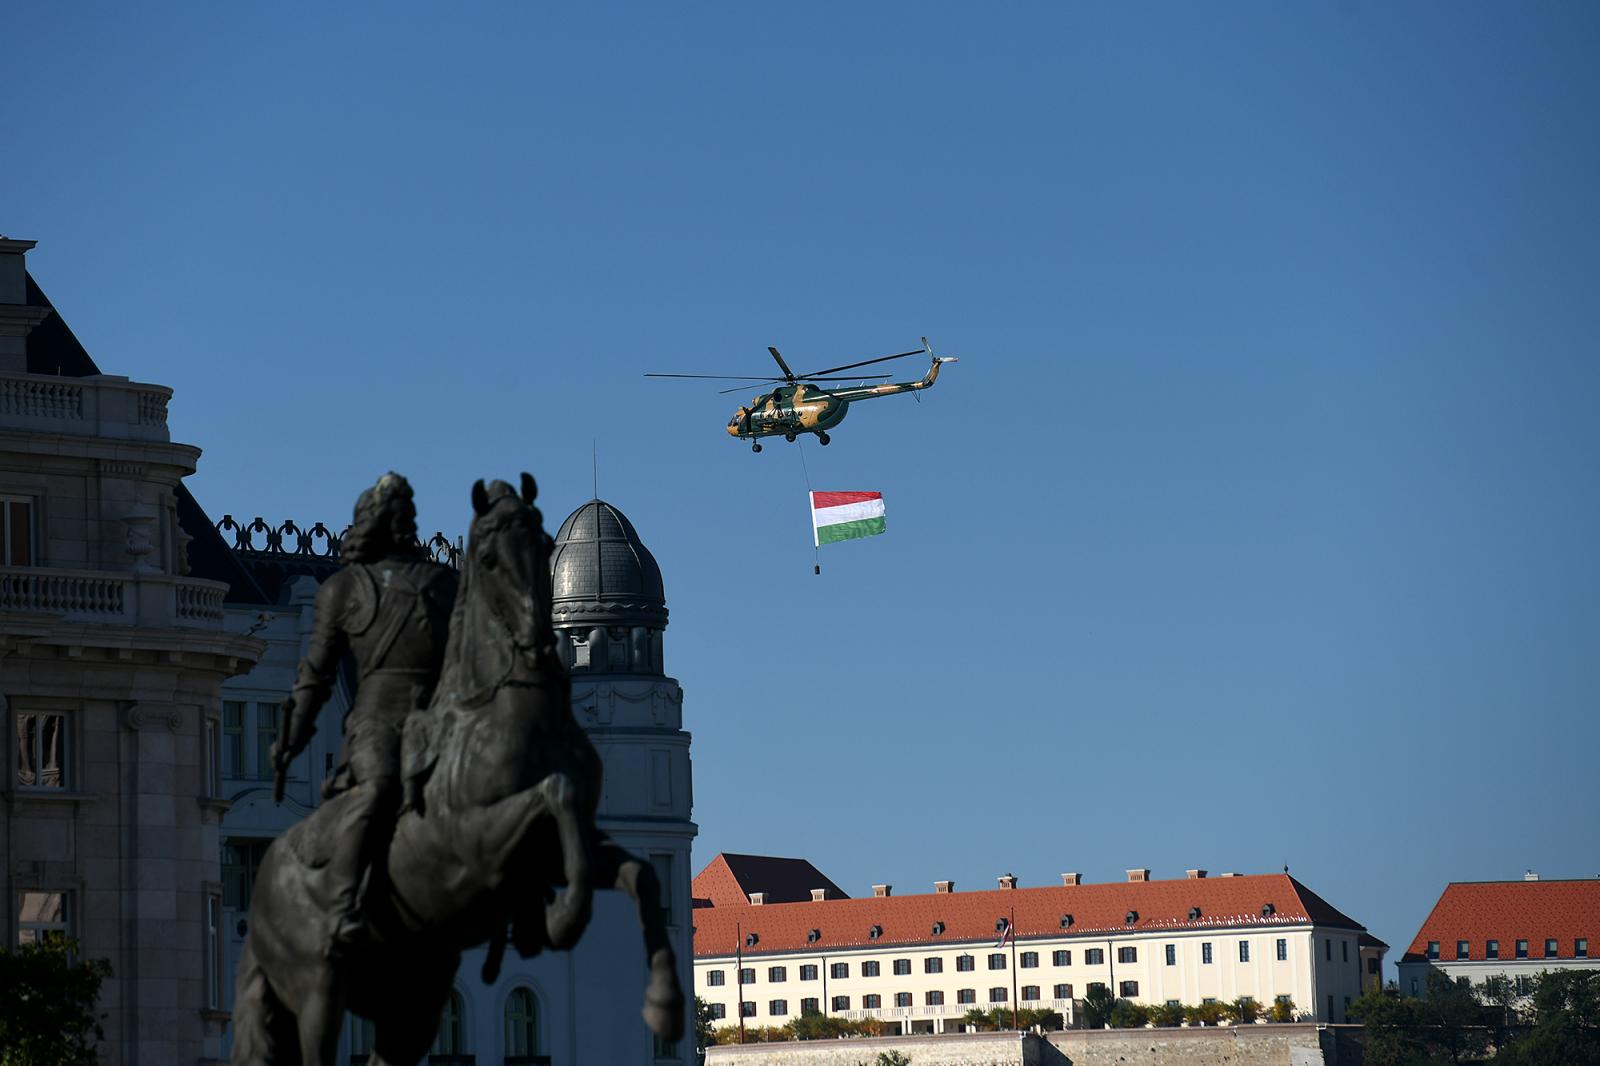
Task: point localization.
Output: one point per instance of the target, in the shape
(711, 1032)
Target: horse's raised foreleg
(663, 998)
(568, 915)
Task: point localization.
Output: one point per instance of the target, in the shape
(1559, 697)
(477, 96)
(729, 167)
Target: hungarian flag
(1006, 932)
(845, 515)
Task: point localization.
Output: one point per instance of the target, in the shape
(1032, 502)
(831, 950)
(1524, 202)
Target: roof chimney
(883, 891)
(758, 898)
(1071, 879)
(1196, 875)
(1008, 880)
(1530, 876)
(944, 887)
(1138, 875)
(818, 895)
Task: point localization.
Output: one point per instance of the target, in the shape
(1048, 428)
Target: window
(871, 1002)
(965, 963)
(868, 968)
(902, 967)
(997, 961)
(1330, 1006)
(1128, 989)
(41, 750)
(241, 858)
(522, 1021)
(1327, 949)
(1244, 951)
(266, 736)
(1344, 951)
(1172, 954)
(933, 964)
(778, 1008)
(661, 864)
(1127, 954)
(902, 999)
(747, 1008)
(1283, 949)
(811, 1005)
(232, 738)
(718, 1010)
(933, 999)
(452, 1038)
(16, 531)
(1523, 985)
(1029, 960)
(1580, 948)
(1433, 948)
(966, 995)
(1094, 956)
(1205, 953)
(1463, 949)
(1522, 949)
(1097, 984)
(1491, 949)
(840, 969)
(665, 1049)
(714, 978)
(213, 950)
(1372, 967)
(997, 994)
(1209, 999)
(1550, 949)
(1030, 993)
(42, 914)
(808, 972)
(211, 767)
(747, 976)
(777, 974)
(1063, 991)
(841, 1002)
(1179, 1002)
(1414, 984)
(1285, 1000)
(1061, 958)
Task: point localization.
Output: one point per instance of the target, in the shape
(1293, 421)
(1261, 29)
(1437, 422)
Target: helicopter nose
(733, 427)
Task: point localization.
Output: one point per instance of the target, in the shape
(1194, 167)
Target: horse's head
(509, 555)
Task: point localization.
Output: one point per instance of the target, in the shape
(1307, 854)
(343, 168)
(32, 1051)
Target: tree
(1566, 1026)
(1282, 1009)
(1242, 1011)
(704, 1028)
(1126, 1014)
(1445, 1025)
(47, 1013)
(1205, 1013)
(888, 1058)
(1167, 1016)
(1097, 1004)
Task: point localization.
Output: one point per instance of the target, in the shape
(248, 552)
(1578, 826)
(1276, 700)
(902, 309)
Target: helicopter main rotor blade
(788, 375)
(799, 380)
(865, 362)
(714, 377)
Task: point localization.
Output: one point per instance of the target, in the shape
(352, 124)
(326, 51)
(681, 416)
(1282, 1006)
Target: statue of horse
(505, 817)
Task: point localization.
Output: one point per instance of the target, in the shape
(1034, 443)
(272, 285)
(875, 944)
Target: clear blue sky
(1258, 523)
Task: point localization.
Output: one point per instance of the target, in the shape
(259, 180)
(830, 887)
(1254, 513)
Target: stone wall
(1247, 1045)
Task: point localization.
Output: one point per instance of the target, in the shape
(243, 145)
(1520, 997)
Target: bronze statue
(390, 607)
(509, 785)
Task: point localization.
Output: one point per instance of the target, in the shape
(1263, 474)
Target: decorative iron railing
(290, 539)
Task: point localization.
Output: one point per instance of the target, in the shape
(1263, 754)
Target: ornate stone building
(112, 655)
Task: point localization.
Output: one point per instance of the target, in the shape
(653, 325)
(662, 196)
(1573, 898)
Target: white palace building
(775, 939)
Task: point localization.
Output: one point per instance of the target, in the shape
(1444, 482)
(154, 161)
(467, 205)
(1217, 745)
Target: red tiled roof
(970, 916)
(728, 880)
(1508, 911)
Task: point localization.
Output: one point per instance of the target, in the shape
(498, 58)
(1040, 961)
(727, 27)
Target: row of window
(1027, 960)
(1491, 949)
(779, 1008)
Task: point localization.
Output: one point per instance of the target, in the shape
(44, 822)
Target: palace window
(1433, 948)
(266, 736)
(42, 750)
(871, 1001)
(966, 995)
(902, 999)
(965, 963)
(933, 999)
(1491, 949)
(1550, 949)
(241, 858)
(661, 864)
(41, 915)
(841, 1002)
(902, 967)
(1061, 958)
(997, 994)
(933, 964)
(1244, 951)
(997, 961)
(522, 1021)
(777, 974)
(714, 978)
(868, 968)
(16, 531)
(1580, 948)
(810, 1005)
(1344, 951)
(1128, 989)
(1522, 949)
(1063, 991)
(1205, 953)
(1129, 954)
(1283, 949)
(808, 972)
(1030, 993)
(1463, 949)
(232, 738)
(718, 1010)
(747, 1008)
(747, 976)
(452, 1032)
(1094, 956)
(1029, 960)
(840, 969)
(1172, 954)
(1327, 949)
(778, 1008)
(213, 950)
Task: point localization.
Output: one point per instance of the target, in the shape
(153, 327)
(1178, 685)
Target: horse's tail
(264, 1032)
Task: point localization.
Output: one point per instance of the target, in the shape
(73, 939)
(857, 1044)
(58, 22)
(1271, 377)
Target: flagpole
(738, 978)
(1012, 929)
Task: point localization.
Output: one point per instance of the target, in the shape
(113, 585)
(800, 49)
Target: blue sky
(1256, 526)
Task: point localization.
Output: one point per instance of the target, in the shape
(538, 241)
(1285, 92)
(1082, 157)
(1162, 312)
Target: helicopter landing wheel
(755, 447)
(789, 437)
(823, 439)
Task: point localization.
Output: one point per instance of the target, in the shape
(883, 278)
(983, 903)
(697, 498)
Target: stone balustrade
(97, 406)
(107, 597)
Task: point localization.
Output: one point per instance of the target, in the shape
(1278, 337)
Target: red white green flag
(839, 516)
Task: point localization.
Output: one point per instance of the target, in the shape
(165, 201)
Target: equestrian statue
(463, 811)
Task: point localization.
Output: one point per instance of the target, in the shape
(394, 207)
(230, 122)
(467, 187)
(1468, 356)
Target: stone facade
(111, 661)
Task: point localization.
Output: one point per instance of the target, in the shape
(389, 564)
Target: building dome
(602, 574)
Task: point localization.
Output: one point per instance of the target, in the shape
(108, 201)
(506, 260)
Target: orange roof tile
(1508, 911)
(1224, 902)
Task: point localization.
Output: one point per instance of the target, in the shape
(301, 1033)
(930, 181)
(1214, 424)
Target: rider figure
(389, 606)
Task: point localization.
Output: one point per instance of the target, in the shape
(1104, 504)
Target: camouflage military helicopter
(798, 405)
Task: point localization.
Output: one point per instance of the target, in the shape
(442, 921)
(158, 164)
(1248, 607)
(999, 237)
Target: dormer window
(1463, 949)
(1433, 949)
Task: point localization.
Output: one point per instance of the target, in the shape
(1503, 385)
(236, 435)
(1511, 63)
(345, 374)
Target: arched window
(450, 1040)
(522, 1023)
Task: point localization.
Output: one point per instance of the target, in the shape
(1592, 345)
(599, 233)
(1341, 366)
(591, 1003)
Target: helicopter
(798, 405)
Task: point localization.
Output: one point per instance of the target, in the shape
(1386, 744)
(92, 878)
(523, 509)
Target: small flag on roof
(845, 515)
